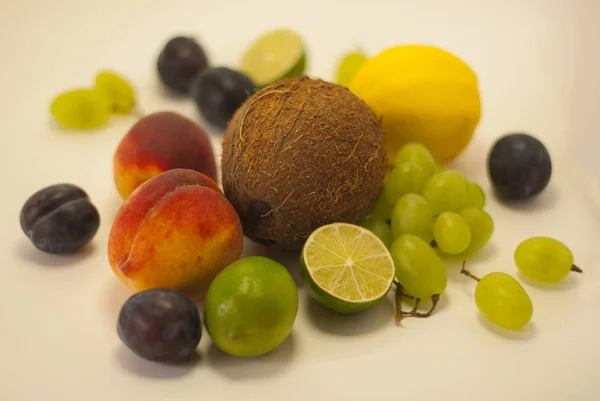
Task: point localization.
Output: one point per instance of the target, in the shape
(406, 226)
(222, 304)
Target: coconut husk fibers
(300, 154)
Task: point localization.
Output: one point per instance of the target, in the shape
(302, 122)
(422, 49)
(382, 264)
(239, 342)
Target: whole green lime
(251, 306)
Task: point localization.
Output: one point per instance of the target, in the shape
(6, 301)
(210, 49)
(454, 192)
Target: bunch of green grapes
(428, 213)
(437, 204)
(87, 108)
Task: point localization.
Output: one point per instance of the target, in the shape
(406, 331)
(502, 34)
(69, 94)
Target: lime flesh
(277, 55)
(347, 268)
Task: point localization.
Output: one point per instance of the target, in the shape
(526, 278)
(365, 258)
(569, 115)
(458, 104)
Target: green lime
(349, 64)
(251, 306)
(347, 268)
(276, 55)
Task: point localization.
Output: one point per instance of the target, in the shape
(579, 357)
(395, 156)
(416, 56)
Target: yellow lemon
(421, 94)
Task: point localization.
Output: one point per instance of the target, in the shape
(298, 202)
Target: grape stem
(400, 314)
(468, 273)
(576, 269)
(434, 301)
(403, 293)
(414, 309)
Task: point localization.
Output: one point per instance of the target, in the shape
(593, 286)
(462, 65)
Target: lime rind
(276, 55)
(298, 69)
(347, 267)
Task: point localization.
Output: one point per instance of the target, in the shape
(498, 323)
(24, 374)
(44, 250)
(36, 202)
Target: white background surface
(538, 65)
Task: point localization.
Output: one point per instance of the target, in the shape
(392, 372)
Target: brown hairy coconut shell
(300, 154)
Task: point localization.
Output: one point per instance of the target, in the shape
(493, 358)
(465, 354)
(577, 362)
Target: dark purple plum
(160, 325)
(219, 92)
(519, 167)
(179, 62)
(59, 219)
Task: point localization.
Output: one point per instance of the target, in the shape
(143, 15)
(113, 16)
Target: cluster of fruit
(303, 162)
(175, 240)
(184, 68)
(437, 215)
(432, 202)
(425, 214)
(249, 309)
(250, 304)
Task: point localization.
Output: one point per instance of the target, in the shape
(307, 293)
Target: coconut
(299, 154)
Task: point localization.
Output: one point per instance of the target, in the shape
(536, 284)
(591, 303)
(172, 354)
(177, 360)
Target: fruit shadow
(112, 207)
(171, 95)
(529, 332)
(545, 200)
(214, 130)
(113, 299)
(139, 366)
(259, 367)
(569, 282)
(356, 324)
(25, 250)
(61, 131)
(289, 259)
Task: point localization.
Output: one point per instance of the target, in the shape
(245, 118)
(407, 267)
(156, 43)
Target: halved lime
(347, 267)
(349, 64)
(274, 56)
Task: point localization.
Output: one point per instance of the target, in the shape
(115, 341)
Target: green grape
(380, 228)
(412, 215)
(544, 259)
(439, 168)
(81, 109)
(475, 196)
(503, 301)
(348, 66)
(481, 226)
(419, 269)
(451, 233)
(406, 178)
(382, 209)
(418, 153)
(446, 190)
(120, 93)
